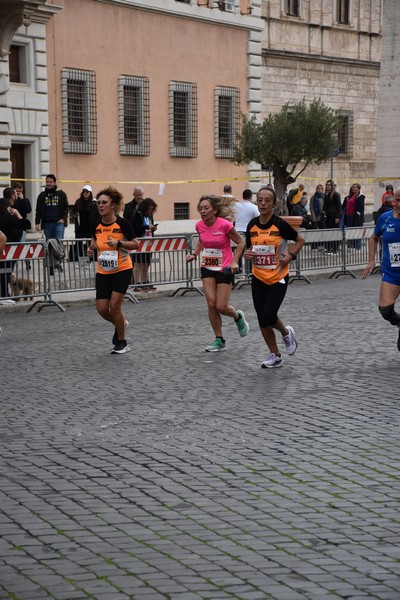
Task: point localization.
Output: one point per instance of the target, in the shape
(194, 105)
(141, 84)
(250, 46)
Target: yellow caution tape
(186, 181)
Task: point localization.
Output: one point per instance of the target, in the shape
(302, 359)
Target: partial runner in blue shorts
(387, 229)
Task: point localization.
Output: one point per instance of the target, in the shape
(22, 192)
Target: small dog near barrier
(22, 286)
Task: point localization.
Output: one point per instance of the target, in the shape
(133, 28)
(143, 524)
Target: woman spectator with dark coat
(86, 215)
(143, 226)
(331, 209)
(353, 209)
(12, 225)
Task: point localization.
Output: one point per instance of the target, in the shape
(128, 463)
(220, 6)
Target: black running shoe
(115, 337)
(120, 348)
(398, 342)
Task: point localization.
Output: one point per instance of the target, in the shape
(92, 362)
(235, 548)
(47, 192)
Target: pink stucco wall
(114, 40)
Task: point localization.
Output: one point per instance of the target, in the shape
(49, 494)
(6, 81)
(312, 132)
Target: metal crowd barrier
(24, 274)
(30, 270)
(46, 272)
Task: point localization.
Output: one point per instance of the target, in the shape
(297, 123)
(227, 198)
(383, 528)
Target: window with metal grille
(182, 119)
(134, 115)
(79, 116)
(345, 133)
(292, 8)
(181, 211)
(343, 11)
(184, 1)
(226, 120)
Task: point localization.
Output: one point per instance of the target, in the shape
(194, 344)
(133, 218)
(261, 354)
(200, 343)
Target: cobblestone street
(171, 473)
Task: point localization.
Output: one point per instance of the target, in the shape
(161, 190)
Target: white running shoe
(272, 361)
(290, 341)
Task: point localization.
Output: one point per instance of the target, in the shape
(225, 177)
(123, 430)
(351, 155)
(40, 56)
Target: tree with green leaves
(288, 142)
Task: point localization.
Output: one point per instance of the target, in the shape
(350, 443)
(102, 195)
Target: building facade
(132, 91)
(328, 49)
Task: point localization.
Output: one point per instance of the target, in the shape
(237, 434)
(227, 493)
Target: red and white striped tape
(162, 245)
(22, 251)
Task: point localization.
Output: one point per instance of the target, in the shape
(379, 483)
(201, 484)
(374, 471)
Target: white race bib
(108, 260)
(394, 253)
(264, 257)
(211, 258)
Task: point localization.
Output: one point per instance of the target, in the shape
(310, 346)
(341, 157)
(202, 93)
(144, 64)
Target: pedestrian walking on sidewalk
(114, 239)
(218, 263)
(387, 228)
(266, 243)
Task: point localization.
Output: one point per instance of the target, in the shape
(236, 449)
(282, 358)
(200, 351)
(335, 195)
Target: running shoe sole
(122, 351)
(274, 366)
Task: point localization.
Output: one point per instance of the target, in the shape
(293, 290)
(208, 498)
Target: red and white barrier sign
(22, 251)
(161, 245)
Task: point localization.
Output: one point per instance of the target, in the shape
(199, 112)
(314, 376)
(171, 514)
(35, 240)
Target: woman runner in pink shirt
(218, 264)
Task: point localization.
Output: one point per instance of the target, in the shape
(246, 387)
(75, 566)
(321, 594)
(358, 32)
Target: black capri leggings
(267, 300)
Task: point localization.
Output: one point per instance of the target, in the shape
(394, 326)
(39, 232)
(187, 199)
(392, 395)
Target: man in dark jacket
(132, 206)
(52, 210)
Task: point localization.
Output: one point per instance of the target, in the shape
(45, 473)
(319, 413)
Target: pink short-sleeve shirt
(217, 237)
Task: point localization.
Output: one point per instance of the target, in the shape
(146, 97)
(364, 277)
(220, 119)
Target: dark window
(343, 134)
(76, 104)
(292, 8)
(181, 112)
(78, 94)
(134, 115)
(181, 211)
(183, 119)
(226, 5)
(227, 121)
(343, 11)
(15, 62)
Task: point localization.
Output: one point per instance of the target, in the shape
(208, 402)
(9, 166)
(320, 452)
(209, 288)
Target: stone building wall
(313, 56)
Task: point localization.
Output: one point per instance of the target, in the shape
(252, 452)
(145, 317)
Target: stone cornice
(320, 58)
(193, 12)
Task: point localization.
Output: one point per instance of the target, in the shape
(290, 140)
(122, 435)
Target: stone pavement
(172, 473)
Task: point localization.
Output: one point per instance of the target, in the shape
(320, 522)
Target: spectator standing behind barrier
(353, 208)
(86, 215)
(266, 243)
(316, 208)
(12, 225)
(386, 207)
(143, 226)
(388, 193)
(387, 228)
(114, 239)
(132, 206)
(218, 264)
(244, 211)
(332, 209)
(300, 210)
(52, 210)
(22, 204)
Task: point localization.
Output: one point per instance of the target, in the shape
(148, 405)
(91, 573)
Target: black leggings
(267, 300)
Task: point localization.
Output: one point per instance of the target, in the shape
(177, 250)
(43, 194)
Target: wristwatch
(293, 255)
(119, 244)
